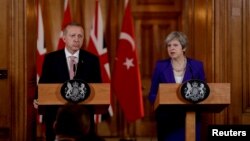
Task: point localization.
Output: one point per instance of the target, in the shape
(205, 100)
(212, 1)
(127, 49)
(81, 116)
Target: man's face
(73, 38)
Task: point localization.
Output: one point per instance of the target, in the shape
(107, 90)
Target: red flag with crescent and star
(126, 78)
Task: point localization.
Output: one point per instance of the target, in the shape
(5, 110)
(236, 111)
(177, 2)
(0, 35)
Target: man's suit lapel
(80, 64)
(62, 66)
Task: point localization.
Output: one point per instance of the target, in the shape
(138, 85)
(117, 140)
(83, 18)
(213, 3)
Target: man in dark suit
(56, 69)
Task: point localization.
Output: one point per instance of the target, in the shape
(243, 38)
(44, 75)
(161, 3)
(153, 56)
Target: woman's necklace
(180, 68)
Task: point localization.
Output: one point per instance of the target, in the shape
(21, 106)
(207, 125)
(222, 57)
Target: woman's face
(175, 49)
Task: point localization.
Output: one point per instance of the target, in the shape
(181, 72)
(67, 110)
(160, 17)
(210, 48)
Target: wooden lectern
(49, 94)
(218, 99)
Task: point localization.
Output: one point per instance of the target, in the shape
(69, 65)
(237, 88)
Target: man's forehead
(74, 28)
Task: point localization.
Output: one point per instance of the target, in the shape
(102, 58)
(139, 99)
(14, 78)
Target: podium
(218, 99)
(49, 94)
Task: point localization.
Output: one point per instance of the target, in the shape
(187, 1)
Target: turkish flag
(126, 79)
(66, 19)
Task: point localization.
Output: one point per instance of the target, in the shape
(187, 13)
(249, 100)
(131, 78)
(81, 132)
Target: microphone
(81, 61)
(74, 69)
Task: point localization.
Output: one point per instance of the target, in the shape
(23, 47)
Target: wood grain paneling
(246, 62)
(198, 27)
(156, 5)
(152, 27)
(30, 69)
(156, 2)
(235, 43)
(18, 60)
(5, 100)
(4, 34)
(246, 57)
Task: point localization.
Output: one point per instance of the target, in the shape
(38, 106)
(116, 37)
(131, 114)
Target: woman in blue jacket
(176, 69)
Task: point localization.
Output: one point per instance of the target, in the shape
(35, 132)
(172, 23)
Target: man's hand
(35, 103)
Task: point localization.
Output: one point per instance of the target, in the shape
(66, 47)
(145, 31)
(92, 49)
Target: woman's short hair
(181, 37)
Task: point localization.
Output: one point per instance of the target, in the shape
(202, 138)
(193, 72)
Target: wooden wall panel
(52, 19)
(151, 34)
(231, 61)
(246, 62)
(235, 43)
(18, 60)
(154, 20)
(5, 100)
(30, 68)
(198, 27)
(220, 53)
(4, 34)
(157, 5)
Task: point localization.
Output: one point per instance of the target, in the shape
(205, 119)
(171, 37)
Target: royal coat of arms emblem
(75, 90)
(194, 90)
